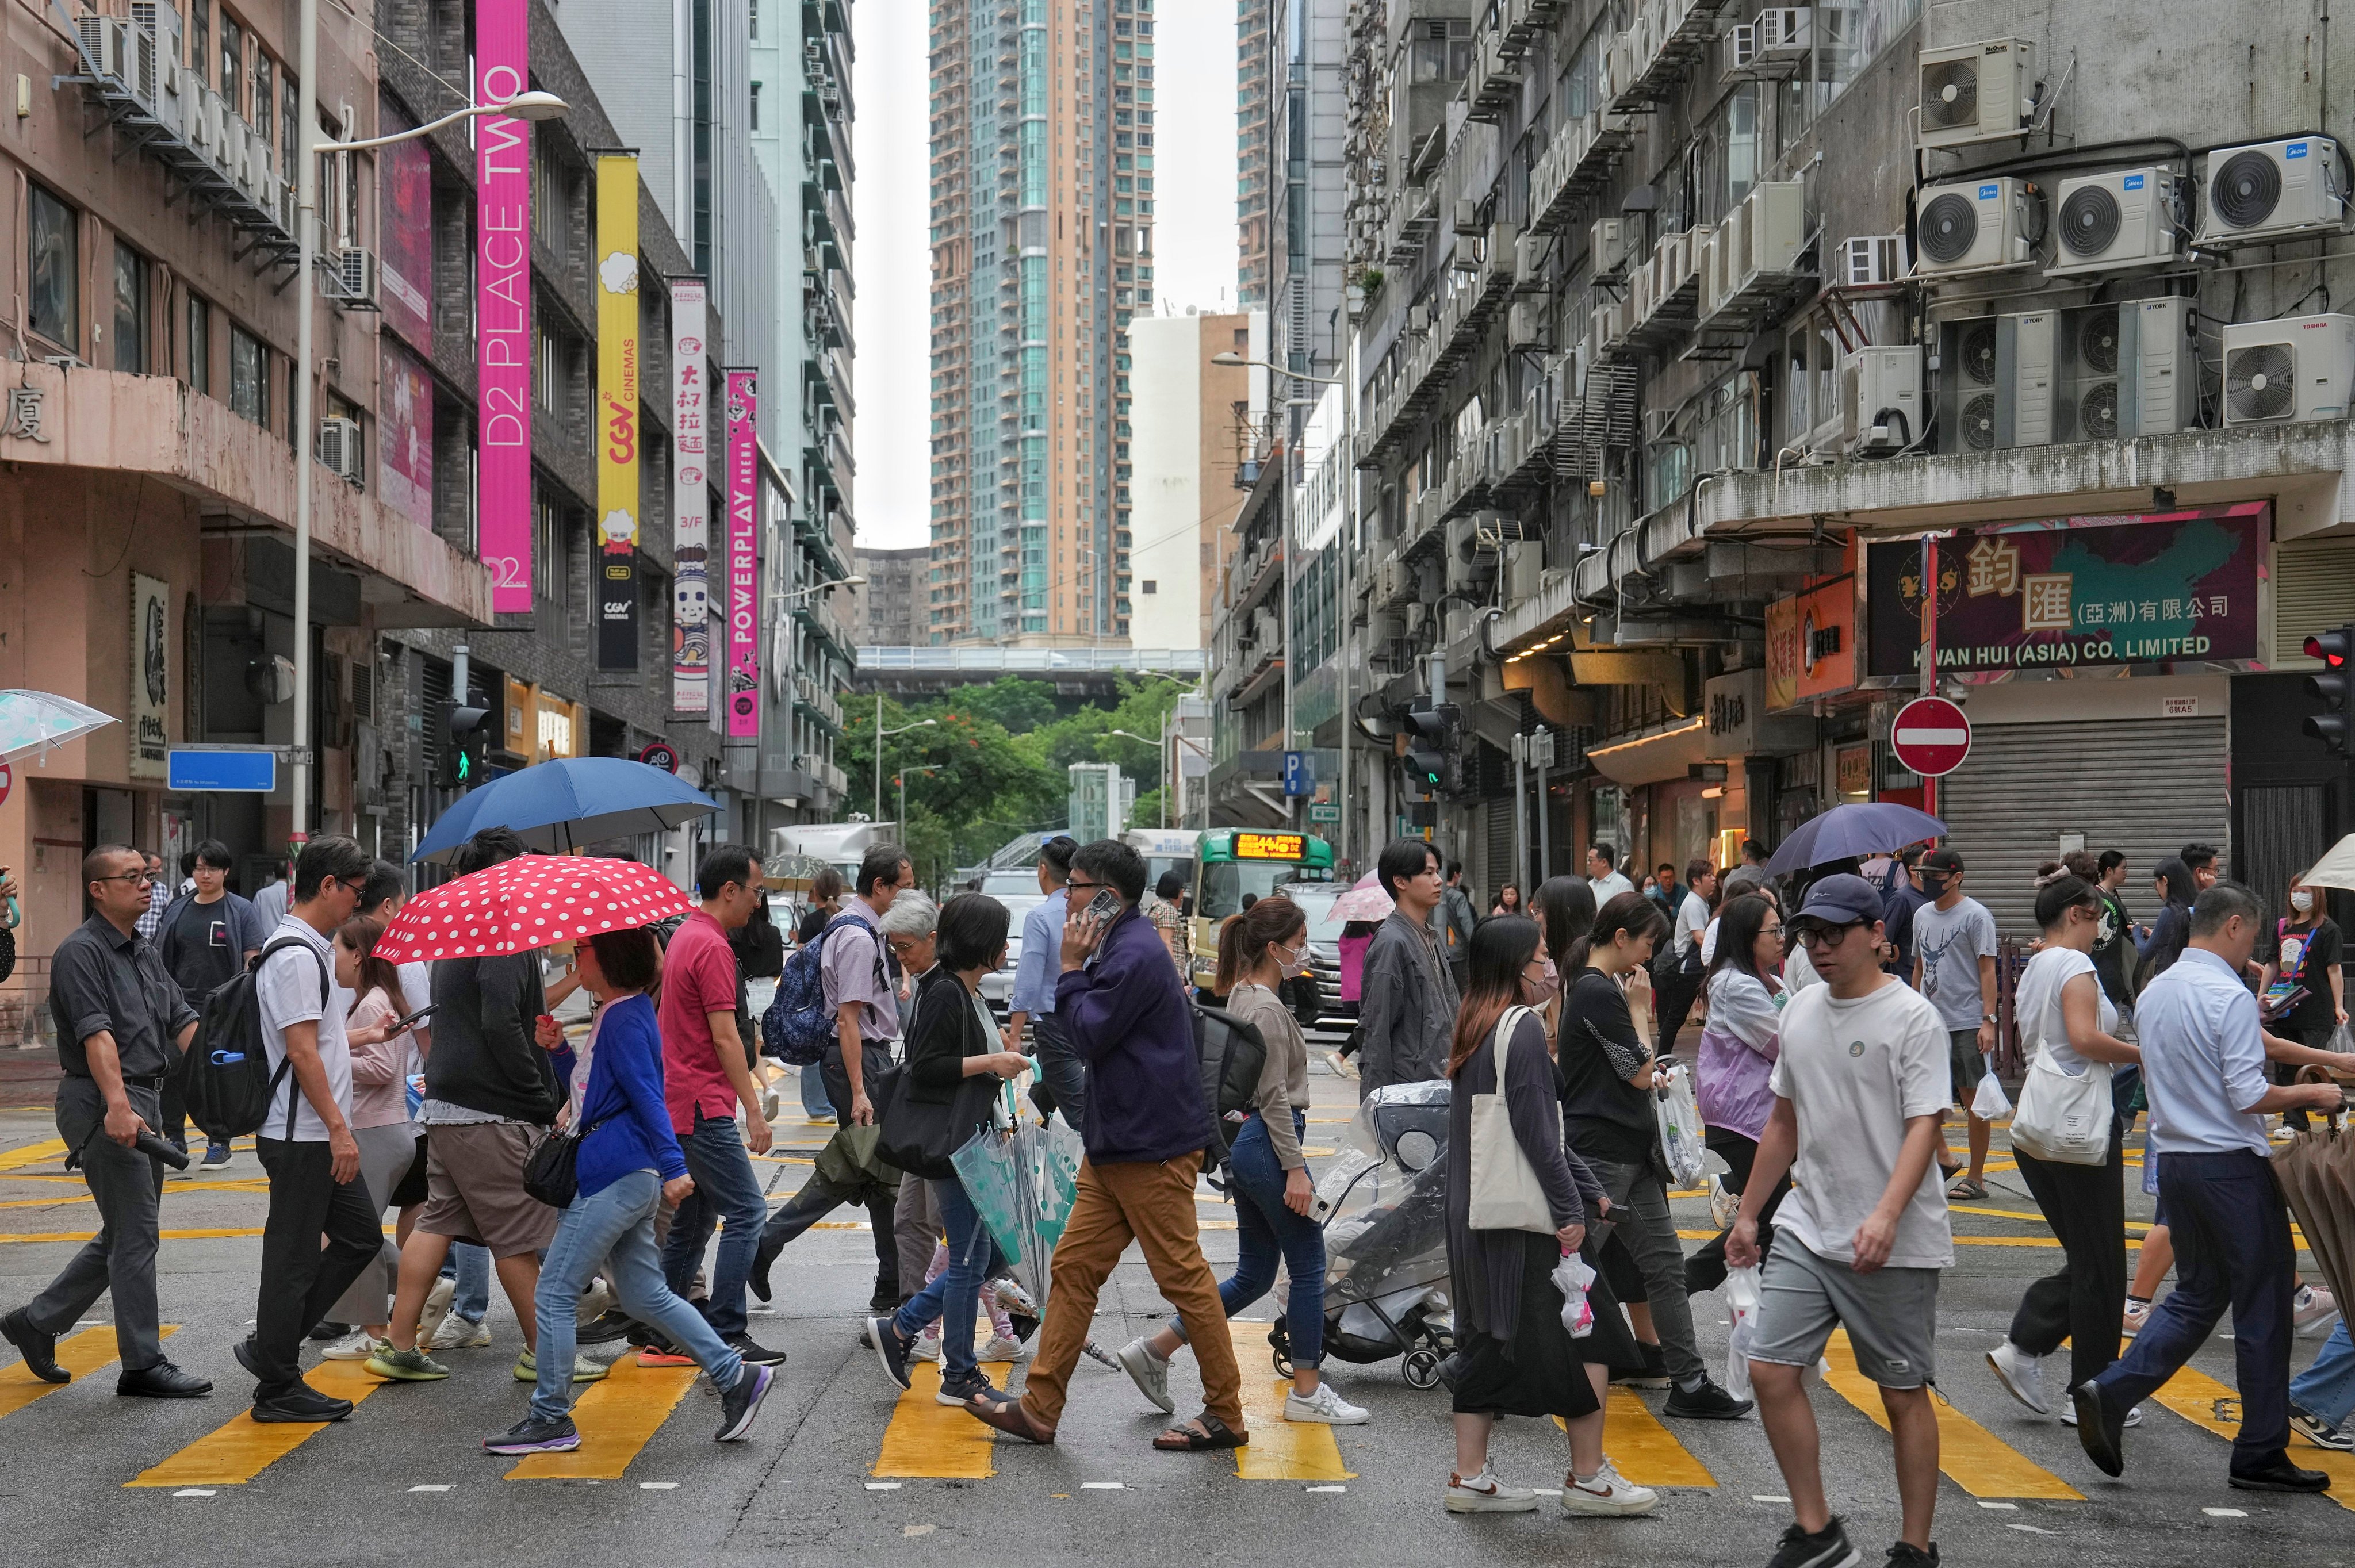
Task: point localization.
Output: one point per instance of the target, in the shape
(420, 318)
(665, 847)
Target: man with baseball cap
(1860, 1088)
(1953, 966)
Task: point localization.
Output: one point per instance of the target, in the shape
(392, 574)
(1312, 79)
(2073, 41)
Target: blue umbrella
(557, 806)
(1852, 832)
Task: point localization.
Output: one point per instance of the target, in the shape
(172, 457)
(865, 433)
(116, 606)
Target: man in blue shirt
(2203, 1066)
(1062, 1076)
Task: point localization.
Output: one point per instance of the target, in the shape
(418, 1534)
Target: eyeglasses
(357, 886)
(136, 878)
(1078, 886)
(1827, 937)
(1770, 931)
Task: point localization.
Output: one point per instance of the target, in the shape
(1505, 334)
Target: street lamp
(902, 776)
(534, 105)
(881, 734)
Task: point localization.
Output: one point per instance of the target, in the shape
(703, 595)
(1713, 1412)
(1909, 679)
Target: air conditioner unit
(204, 124)
(1528, 260)
(1880, 398)
(1976, 92)
(103, 41)
(1530, 325)
(1500, 254)
(1776, 231)
(1786, 33)
(1619, 66)
(1606, 244)
(2127, 218)
(1418, 320)
(1468, 218)
(1967, 391)
(1710, 269)
(228, 147)
(1975, 226)
(2127, 369)
(1741, 51)
(2026, 347)
(339, 448)
(2280, 371)
(2272, 189)
(348, 273)
(1870, 260)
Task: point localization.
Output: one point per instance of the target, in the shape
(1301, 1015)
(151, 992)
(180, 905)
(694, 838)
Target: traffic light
(466, 751)
(1434, 751)
(2332, 688)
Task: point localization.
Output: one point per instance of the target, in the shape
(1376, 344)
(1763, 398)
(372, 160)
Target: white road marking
(658, 1486)
(429, 1488)
(1104, 1486)
(1763, 1498)
(193, 1492)
(2032, 1529)
(912, 1531)
(2009, 1507)
(2225, 1512)
(882, 1486)
(1324, 1489)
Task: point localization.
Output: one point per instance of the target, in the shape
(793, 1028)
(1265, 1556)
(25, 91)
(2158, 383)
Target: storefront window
(249, 377)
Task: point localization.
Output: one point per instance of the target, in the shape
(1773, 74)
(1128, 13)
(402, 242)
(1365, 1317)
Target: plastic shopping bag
(1990, 1104)
(2342, 1039)
(1571, 1276)
(1742, 1303)
(1676, 1108)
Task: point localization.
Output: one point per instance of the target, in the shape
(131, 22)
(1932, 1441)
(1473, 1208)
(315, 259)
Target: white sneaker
(770, 1105)
(1149, 1373)
(1484, 1493)
(437, 1308)
(356, 1345)
(927, 1347)
(1724, 1206)
(2315, 1310)
(2022, 1374)
(2069, 1415)
(1326, 1407)
(1606, 1492)
(1012, 1297)
(596, 1301)
(457, 1333)
(1001, 1349)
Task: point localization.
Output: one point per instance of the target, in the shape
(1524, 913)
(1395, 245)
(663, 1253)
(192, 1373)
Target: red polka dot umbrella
(527, 903)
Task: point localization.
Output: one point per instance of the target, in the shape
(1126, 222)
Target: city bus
(1230, 862)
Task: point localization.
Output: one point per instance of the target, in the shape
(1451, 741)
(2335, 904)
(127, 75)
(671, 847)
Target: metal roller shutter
(2147, 786)
(1498, 869)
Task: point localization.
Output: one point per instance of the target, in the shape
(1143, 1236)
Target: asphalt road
(404, 1481)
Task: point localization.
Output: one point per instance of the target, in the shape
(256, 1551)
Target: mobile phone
(419, 1016)
(1106, 904)
(1320, 1207)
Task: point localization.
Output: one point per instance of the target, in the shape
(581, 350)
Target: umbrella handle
(2324, 1075)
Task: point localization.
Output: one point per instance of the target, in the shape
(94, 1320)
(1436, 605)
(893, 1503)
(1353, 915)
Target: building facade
(1042, 249)
(886, 609)
(1195, 430)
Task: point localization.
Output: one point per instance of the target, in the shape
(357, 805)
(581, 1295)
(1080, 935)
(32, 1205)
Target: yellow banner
(617, 410)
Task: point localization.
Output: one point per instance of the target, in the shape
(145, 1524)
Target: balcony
(819, 703)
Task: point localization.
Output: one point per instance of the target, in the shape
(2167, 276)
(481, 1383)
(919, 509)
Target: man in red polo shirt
(706, 1073)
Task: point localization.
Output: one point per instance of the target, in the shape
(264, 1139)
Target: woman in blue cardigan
(628, 1164)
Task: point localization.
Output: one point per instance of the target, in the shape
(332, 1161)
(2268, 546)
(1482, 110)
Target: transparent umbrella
(1021, 1183)
(37, 721)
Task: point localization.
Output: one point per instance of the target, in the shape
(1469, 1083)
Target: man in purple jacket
(1123, 1009)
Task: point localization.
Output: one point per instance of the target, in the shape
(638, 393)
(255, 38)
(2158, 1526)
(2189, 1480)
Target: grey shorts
(1966, 1062)
(474, 1188)
(1890, 1315)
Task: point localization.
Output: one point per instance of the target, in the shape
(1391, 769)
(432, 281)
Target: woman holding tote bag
(1517, 1200)
(2066, 1138)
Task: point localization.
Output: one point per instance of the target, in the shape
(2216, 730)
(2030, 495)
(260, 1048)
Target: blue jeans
(470, 1267)
(616, 1222)
(814, 1100)
(1265, 1230)
(725, 1188)
(954, 1295)
(2327, 1389)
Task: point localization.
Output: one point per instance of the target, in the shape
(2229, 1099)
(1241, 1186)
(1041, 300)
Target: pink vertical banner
(503, 305)
(743, 564)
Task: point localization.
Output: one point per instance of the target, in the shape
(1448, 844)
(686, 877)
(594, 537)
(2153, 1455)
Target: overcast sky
(1194, 234)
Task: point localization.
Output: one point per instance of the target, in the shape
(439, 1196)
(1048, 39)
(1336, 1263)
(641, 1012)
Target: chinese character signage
(1811, 645)
(690, 630)
(744, 563)
(502, 306)
(151, 666)
(617, 411)
(2077, 592)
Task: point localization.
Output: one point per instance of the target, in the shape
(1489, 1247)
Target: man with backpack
(1147, 1125)
(305, 1138)
(859, 993)
(204, 939)
(119, 1019)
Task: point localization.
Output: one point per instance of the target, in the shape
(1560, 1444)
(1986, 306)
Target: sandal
(1965, 1192)
(1215, 1433)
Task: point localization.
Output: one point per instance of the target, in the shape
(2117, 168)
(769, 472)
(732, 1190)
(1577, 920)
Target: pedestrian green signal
(466, 753)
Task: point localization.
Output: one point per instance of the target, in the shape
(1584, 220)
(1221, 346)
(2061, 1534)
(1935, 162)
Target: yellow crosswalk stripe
(1979, 1461)
(81, 1354)
(32, 1154)
(1279, 1450)
(1647, 1452)
(233, 1455)
(617, 1416)
(2203, 1402)
(927, 1438)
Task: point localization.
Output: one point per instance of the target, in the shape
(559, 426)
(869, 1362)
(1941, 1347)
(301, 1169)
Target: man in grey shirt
(1407, 1004)
(1953, 965)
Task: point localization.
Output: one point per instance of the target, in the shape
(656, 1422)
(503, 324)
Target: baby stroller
(1385, 1201)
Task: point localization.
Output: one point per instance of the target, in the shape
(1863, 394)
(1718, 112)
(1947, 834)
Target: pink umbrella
(1364, 901)
(527, 903)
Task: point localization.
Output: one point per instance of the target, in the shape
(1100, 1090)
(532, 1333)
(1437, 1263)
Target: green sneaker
(406, 1366)
(584, 1370)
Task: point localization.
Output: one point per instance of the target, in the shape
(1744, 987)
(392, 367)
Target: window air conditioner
(339, 448)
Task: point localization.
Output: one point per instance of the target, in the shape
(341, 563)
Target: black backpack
(1233, 1053)
(225, 1076)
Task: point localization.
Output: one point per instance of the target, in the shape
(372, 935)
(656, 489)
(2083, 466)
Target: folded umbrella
(529, 902)
(566, 804)
(1852, 832)
(1022, 1184)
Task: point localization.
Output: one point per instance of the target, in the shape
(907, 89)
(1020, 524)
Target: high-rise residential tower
(1042, 249)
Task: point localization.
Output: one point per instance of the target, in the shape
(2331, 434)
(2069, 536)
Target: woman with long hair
(1738, 1048)
(2304, 957)
(1515, 1356)
(1563, 908)
(1270, 1176)
(1509, 902)
(2065, 1017)
(379, 1123)
(1609, 1081)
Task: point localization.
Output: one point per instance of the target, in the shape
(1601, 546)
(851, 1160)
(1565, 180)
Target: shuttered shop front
(2146, 786)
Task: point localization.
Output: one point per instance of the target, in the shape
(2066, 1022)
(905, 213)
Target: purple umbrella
(1852, 832)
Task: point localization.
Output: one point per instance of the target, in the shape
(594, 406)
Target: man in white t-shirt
(1602, 873)
(1860, 1088)
(306, 1142)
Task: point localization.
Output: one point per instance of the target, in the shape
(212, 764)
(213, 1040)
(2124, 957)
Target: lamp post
(523, 106)
(902, 776)
(881, 734)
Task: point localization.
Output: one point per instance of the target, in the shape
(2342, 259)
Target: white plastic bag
(1743, 1302)
(2342, 1039)
(1571, 1276)
(1990, 1104)
(1676, 1108)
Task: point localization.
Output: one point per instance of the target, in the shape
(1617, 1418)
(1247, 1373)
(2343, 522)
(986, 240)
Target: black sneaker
(2098, 1430)
(324, 1333)
(533, 1435)
(965, 1391)
(757, 1281)
(1827, 1548)
(248, 1356)
(603, 1328)
(740, 1404)
(39, 1350)
(1655, 1374)
(889, 1349)
(754, 1351)
(886, 1297)
(1905, 1554)
(1705, 1403)
(301, 1403)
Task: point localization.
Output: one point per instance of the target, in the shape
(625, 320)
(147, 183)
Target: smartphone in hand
(1104, 905)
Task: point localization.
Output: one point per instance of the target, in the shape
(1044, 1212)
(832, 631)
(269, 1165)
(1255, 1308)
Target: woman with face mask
(1270, 1181)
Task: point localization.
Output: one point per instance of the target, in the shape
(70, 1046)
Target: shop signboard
(1811, 645)
(2074, 592)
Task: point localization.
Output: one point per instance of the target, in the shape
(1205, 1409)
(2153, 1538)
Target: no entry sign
(1931, 736)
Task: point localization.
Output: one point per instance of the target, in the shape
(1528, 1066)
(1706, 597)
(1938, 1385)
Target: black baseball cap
(1841, 900)
(1943, 859)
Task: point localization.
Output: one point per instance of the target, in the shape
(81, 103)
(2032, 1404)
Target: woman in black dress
(1516, 1357)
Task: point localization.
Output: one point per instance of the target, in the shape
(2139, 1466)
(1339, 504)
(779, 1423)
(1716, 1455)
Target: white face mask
(2301, 900)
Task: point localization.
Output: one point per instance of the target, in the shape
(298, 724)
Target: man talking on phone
(115, 1008)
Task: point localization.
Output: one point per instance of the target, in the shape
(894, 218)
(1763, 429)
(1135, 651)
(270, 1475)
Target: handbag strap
(1501, 1042)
